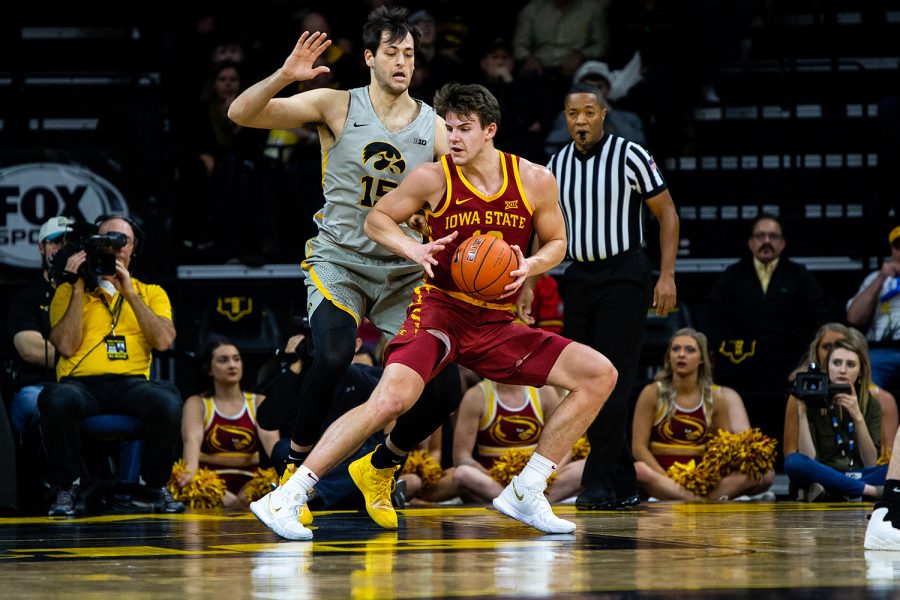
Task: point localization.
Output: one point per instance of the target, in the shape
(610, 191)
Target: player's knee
(388, 407)
(600, 379)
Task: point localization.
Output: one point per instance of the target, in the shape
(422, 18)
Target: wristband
(68, 277)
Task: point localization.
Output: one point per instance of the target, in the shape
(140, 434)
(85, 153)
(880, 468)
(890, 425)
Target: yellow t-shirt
(92, 357)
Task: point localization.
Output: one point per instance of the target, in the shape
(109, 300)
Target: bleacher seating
(796, 133)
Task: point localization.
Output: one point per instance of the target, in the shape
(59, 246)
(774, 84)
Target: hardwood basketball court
(656, 550)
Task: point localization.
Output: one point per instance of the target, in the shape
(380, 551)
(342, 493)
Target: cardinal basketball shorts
(483, 339)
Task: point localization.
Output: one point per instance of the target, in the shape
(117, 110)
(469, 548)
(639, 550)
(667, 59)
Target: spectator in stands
(524, 105)
(553, 37)
(623, 123)
(219, 428)
(29, 329)
(757, 316)
(220, 176)
(493, 419)
(824, 341)
(876, 309)
(838, 433)
(677, 416)
(104, 333)
(437, 59)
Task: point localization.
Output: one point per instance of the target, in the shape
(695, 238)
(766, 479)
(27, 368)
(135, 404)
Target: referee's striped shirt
(601, 195)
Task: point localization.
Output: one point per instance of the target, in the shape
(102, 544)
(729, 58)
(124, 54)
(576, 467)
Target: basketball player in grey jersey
(371, 138)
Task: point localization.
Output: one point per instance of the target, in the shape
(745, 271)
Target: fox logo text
(32, 193)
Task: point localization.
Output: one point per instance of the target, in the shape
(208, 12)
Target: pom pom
(885, 456)
(420, 463)
(205, 489)
(749, 452)
(696, 478)
(263, 482)
(581, 448)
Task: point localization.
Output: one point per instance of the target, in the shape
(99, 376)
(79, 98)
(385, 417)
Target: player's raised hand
(299, 64)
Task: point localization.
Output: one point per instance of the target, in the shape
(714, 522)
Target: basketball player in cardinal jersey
(475, 188)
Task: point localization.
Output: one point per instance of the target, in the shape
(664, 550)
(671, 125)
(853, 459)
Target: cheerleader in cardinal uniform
(219, 428)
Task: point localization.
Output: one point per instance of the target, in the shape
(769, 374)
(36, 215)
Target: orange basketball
(481, 266)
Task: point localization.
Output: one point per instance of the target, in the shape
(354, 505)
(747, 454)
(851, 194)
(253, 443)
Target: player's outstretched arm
(257, 106)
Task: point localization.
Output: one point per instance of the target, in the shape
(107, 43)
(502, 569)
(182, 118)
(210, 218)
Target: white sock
(303, 479)
(537, 471)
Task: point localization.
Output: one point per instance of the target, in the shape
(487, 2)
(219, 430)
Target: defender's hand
(299, 64)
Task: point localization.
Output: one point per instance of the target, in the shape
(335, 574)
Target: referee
(607, 288)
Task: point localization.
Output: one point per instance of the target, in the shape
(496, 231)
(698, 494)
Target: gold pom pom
(749, 452)
(205, 489)
(420, 463)
(262, 483)
(885, 456)
(510, 464)
(581, 448)
(698, 478)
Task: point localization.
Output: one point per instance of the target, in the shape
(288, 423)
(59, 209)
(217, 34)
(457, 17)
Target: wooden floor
(657, 550)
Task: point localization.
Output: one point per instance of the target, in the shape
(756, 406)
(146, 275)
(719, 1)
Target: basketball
(481, 266)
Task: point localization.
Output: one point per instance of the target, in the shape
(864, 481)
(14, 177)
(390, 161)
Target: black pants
(606, 307)
(156, 403)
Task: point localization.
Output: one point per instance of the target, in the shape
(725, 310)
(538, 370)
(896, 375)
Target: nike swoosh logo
(463, 200)
(896, 491)
(355, 124)
(273, 509)
(519, 497)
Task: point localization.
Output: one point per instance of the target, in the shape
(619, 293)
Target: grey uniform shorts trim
(378, 288)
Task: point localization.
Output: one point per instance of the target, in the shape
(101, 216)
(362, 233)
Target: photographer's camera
(814, 387)
(100, 250)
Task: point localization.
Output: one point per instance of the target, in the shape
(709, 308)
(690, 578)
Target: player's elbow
(236, 113)
(370, 226)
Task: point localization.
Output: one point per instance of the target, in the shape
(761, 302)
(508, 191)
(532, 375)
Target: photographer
(838, 423)
(104, 338)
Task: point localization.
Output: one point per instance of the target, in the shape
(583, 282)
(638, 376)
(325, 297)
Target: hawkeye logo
(235, 308)
(737, 351)
(385, 156)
